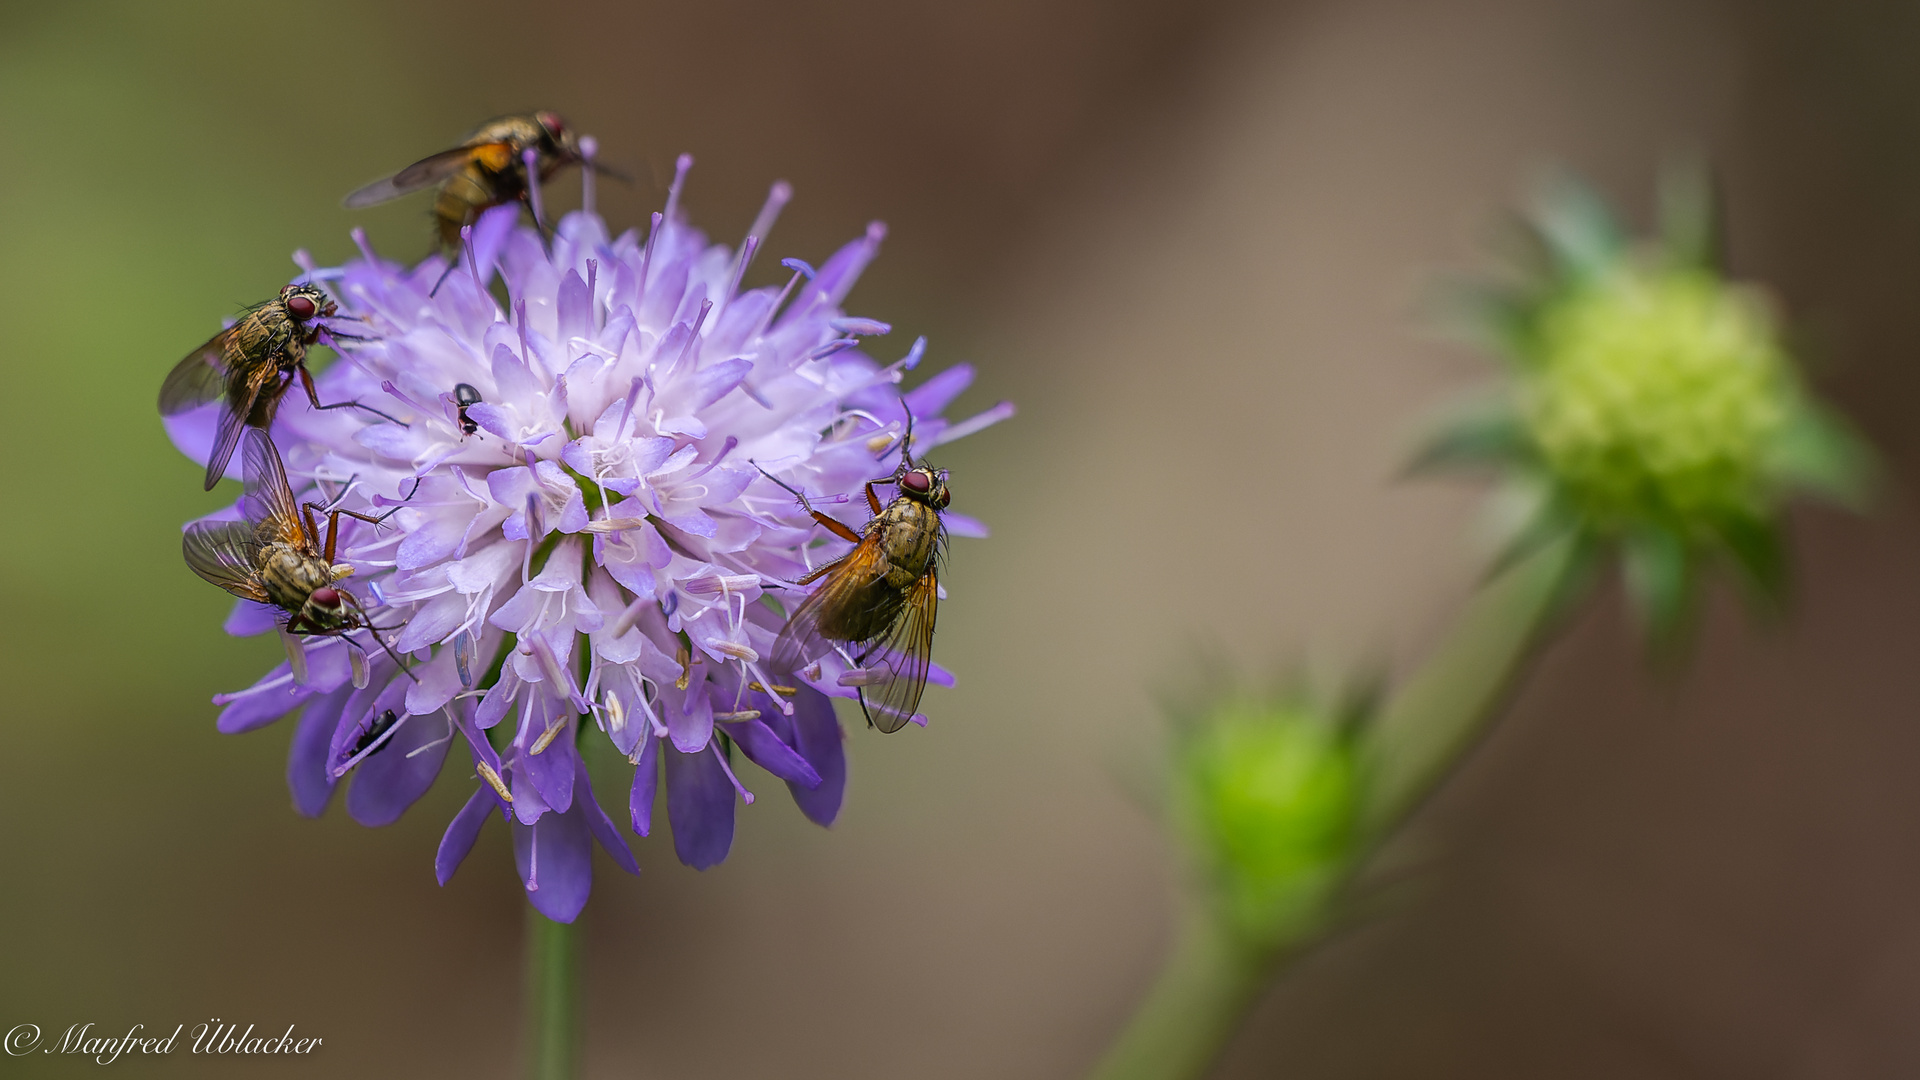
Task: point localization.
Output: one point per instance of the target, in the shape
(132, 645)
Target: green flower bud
(1656, 395)
(1654, 406)
(1270, 796)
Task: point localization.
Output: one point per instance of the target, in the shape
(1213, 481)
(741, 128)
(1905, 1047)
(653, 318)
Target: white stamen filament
(442, 741)
(745, 795)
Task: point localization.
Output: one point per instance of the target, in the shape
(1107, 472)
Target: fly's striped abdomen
(289, 575)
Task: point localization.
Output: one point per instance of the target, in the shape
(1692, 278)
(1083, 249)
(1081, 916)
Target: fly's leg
(313, 396)
(831, 525)
(333, 523)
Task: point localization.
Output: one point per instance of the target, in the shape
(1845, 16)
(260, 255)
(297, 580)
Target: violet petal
(555, 858)
(699, 807)
(462, 831)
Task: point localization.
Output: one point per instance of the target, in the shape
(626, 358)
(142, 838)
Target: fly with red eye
(249, 366)
(874, 609)
(276, 555)
(503, 161)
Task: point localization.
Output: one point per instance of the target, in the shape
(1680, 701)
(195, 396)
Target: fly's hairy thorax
(909, 533)
(264, 334)
(520, 131)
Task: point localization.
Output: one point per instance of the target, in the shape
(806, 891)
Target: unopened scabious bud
(1657, 396)
(1654, 406)
(1269, 793)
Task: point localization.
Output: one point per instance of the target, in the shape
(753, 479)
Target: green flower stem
(1206, 987)
(1443, 708)
(1214, 975)
(553, 998)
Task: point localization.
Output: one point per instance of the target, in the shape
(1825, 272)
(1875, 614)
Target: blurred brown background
(1197, 243)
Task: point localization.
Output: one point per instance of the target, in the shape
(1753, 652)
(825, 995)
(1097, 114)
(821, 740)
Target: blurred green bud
(1656, 396)
(1654, 404)
(1270, 797)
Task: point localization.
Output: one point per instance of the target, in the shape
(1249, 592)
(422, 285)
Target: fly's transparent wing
(801, 639)
(424, 173)
(268, 495)
(233, 419)
(200, 377)
(218, 552)
(906, 651)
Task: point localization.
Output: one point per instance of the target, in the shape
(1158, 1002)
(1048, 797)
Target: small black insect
(380, 726)
(464, 395)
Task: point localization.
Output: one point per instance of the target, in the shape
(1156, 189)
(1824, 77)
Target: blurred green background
(1196, 242)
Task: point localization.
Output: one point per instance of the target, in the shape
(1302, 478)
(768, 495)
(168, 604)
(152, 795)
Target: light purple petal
(430, 625)
(261, 709)
(249, 618)
(439, 682)
(930, 397)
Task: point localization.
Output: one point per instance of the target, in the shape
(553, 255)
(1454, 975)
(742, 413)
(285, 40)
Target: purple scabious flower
(599, 557)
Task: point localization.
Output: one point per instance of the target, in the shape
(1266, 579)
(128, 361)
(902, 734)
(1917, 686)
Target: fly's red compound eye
(917, 482)
(301, 307)
(326, 597)
(945, 497)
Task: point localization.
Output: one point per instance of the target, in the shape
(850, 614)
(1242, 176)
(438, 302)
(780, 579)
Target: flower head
(1270, 793)
(1653, 404)
(600, 559)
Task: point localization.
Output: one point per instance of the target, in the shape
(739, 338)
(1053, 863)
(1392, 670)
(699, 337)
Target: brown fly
(248, 367)
(276, 556)
(501, 162)
(880, 598)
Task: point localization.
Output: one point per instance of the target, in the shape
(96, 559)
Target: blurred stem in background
(552, 998)
(1651, 413)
